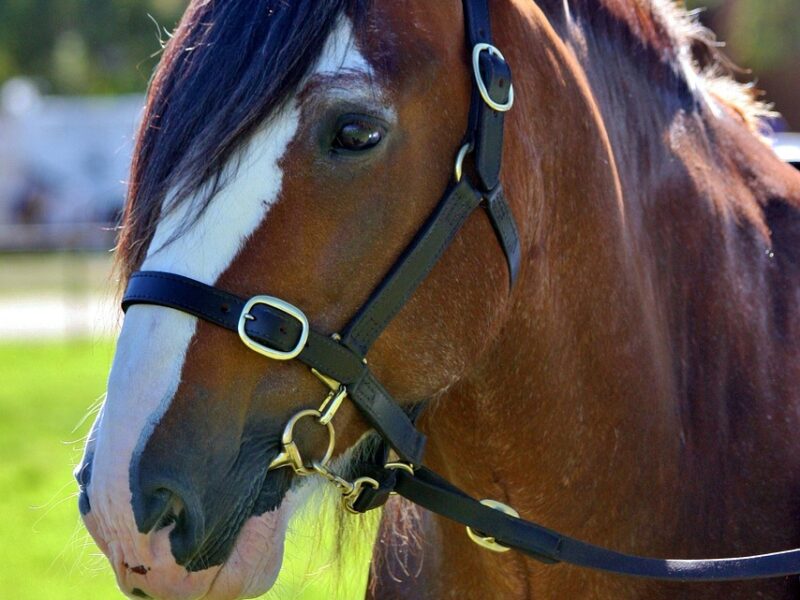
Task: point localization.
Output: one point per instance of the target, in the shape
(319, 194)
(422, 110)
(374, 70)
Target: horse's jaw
(145, 567)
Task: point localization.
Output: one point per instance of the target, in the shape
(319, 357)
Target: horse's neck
(703, 203)
(707, 208)
(629, 397)
(629, 371)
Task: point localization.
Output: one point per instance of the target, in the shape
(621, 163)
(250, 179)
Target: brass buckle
(282, 306)
(487, 541)
(482, 88)
(394, 466)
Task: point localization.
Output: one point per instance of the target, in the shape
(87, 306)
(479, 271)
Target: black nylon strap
(431, 491)
(387, 418)
(486, 128)
(271, 326)
(486, 125)
(489, 124)
(506, 229)
(278, 330)
(409, 271)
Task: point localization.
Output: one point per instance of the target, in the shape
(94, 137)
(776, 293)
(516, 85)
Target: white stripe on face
(152, 349)
(154, 341)
(340, 55)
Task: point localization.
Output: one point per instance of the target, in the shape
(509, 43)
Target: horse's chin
(145, 567)
(256, 560)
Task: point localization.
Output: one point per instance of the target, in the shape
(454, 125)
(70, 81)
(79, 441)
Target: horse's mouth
(240, 558)
(266, 495)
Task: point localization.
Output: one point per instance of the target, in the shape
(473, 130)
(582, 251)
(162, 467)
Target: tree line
(84, 46)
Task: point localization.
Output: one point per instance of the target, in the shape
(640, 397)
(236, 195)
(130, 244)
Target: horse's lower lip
(274, 487)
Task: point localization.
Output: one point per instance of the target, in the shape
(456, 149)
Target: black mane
(228, 67)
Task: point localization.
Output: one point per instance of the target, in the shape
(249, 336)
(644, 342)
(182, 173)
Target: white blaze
(152, 349)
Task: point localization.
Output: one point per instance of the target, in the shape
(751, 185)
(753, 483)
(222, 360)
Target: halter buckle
(282, 306)
(486, 541)
(482, 87)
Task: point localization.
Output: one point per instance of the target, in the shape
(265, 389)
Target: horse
(636, 386)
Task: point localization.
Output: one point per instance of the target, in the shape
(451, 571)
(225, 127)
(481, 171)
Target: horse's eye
(357, 136)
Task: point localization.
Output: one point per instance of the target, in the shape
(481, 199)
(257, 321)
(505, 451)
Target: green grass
(45, 554)
(45, 391)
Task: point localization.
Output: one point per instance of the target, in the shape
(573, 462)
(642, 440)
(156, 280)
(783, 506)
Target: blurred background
(72, 78)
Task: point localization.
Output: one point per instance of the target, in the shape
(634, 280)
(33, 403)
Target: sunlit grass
(45, 554)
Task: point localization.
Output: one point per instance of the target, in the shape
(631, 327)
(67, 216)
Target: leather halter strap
(343, 358)
(276, 329)
(436, 494)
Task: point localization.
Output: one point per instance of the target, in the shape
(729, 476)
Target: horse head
(294, 150)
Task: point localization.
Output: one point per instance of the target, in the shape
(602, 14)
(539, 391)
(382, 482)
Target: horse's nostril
(171, 514)
(164, 507)
(83, 475)
(161, 508)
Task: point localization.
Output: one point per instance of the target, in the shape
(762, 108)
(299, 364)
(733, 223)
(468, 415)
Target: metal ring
(462, 154)
(350, 499)
(476, 67)
(282, 306)
(399, 466)
(487, 541)
(393, 466)
(291, 457)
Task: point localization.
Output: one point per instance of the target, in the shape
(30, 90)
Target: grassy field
(44, 552)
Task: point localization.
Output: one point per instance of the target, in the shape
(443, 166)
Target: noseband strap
(279, 330)
(276, 329)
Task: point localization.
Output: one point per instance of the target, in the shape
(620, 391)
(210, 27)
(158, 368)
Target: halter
(280, 331)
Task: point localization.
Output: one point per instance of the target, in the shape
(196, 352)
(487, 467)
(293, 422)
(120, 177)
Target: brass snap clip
(290, 455)
(350, 490)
